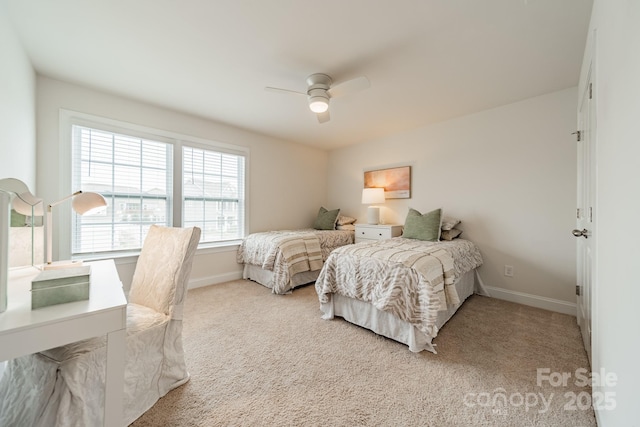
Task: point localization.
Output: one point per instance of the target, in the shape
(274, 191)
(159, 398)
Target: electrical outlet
(508, 270)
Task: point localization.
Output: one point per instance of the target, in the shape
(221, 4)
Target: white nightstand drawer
(373, 233)
(376, 232)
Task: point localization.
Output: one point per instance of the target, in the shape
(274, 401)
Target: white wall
(509, 173)
(287, 180)
(617, 289)
(17, 108)
(17, 111)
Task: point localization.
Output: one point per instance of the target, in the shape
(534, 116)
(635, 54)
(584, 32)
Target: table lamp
(371, 196)
(84, 203)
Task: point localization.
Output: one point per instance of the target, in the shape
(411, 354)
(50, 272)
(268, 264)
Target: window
(213, 193)
(134, 176)
(135, 173)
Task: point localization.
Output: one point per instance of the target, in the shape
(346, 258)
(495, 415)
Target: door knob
(581, 233)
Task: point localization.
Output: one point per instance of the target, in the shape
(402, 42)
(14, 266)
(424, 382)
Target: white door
(584, 214)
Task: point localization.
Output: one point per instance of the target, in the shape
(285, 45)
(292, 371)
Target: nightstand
(369, 232)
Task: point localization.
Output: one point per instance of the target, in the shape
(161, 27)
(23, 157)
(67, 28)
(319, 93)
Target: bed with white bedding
(284, 259)
(404, 289)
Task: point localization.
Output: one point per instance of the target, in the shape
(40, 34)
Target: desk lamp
(84, 203)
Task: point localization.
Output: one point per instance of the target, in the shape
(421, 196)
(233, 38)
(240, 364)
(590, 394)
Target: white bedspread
(411, 279)
(289, 252)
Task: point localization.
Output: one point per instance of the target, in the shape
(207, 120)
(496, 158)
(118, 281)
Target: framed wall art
(395, 181)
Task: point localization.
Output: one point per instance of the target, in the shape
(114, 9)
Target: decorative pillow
(423, 227)
(450, 234)
(326, 220)
(448, 222)
(349, 227)
(344, 220)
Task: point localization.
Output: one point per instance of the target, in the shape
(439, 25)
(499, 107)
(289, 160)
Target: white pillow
(344, 220)
(450, 234)
(350, 227)
(448, 222)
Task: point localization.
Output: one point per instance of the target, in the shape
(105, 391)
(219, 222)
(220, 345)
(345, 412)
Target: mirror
(26, 234)
(25, 246)
(20, 220)
(23, 243)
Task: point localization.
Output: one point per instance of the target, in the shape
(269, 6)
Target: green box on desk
(59, 286)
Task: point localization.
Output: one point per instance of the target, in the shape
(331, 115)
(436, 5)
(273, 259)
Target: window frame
(63, 215)
(183, 199)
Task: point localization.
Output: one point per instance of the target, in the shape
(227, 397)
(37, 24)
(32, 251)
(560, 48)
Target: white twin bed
(403, 289)
(284, 259)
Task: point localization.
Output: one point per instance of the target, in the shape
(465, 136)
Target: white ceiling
(427, 60)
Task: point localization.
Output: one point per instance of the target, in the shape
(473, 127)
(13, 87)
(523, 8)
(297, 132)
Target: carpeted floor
(259, 359)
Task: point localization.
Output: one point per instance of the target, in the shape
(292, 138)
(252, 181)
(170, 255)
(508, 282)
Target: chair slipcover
(64, 386)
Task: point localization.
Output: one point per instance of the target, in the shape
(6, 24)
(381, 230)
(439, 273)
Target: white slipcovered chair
(64, 386)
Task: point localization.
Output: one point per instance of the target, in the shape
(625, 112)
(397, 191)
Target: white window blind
(213, 193)
(150, 176)
(135, 177)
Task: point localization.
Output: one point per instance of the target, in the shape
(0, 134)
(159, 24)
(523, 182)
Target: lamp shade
(84, 203)
(371, 196)
(88, 202)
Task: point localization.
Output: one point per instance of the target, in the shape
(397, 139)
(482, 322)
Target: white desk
(25, 331)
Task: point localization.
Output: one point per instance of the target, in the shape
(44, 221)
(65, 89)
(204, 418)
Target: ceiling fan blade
(349, 86)
(280, 90)
(323, 117)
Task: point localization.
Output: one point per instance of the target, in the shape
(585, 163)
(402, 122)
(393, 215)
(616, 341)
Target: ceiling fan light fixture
(318, 104)
(318, 99)
(320, 91)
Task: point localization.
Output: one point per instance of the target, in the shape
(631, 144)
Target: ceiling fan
(319, 92)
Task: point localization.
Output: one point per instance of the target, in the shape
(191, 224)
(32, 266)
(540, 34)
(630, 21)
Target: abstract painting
(395, 181)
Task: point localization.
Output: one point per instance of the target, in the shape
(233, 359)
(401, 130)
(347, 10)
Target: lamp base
(373, 215)
(56, 265)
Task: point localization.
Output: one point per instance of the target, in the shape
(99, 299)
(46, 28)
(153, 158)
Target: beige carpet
(258, 359)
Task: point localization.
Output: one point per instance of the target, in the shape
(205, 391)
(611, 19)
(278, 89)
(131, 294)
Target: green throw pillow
(326, 220)
(423, 227)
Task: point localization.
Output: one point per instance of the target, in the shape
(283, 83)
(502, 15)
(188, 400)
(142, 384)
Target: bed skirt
(265, 277)
(382, 323)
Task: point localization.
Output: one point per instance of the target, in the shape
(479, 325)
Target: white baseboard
(214, 280)
(545, 303)
(534, 300)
